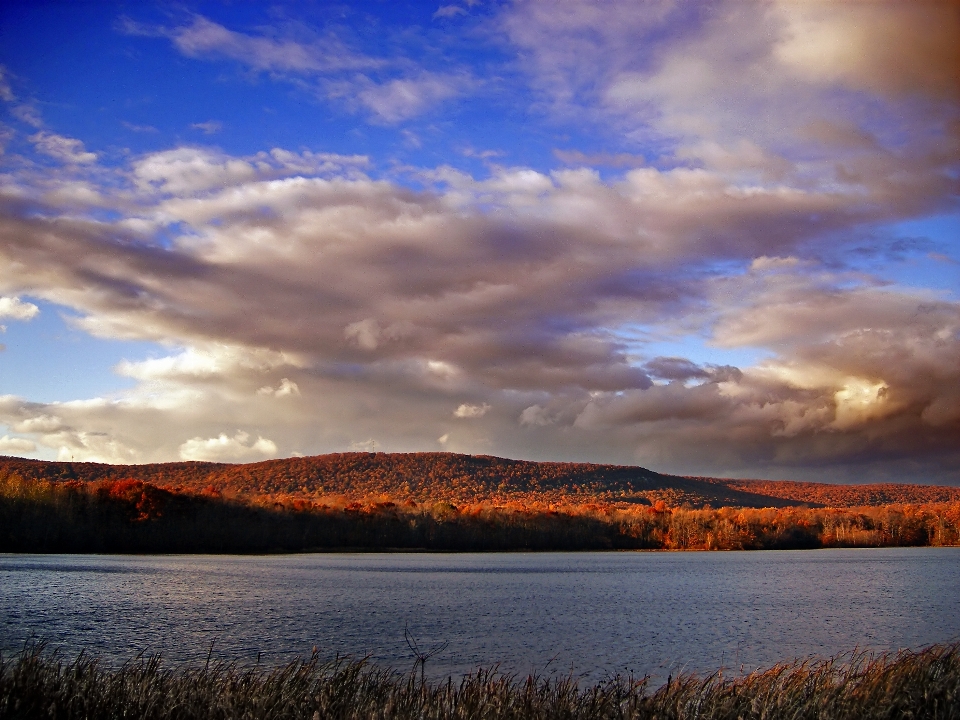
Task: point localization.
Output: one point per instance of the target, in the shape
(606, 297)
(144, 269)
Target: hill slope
(430, 477)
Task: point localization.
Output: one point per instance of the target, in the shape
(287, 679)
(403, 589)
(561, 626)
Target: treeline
(119, 516)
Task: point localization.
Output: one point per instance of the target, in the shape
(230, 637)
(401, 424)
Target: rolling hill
(432, 477)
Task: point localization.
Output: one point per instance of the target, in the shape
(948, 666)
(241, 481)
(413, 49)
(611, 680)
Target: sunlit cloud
(238, 448)
(16, 309)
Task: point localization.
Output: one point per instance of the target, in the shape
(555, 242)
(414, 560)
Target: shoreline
(434, 551)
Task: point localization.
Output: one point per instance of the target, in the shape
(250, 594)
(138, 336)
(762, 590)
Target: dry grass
(38, 684)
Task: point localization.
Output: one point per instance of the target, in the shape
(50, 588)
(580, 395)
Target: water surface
(594, 614)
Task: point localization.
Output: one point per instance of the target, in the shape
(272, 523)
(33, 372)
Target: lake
(592, 614)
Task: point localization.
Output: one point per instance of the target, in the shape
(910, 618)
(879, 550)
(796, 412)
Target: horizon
(711, 241)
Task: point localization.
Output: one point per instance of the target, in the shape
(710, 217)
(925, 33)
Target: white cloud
(27, 114)
(365, 333)
(449, 11)
(16, 445)
(43, 423)
(535, 416)
(210, 127)
(15, 308)
(204, 363)
(471, 411)
(188, 170)
(64, 149)
(404, 98)
(84, 446)
(134, 127)
(286, 388)
(205, 38)
(228, 449)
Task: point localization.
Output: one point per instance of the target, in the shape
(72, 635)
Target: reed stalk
(39, 684)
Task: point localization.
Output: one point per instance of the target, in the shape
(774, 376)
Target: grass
(908, 684)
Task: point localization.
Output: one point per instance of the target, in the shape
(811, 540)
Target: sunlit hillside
(433, 477)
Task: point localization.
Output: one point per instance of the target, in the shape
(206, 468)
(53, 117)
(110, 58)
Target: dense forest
(460, 479)
(130, 515)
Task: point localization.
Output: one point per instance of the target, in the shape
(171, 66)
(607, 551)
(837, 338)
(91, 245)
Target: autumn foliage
(130, 515)
(472, 479)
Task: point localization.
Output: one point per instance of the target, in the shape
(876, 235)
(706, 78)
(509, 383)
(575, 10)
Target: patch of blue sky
(643, 344)
(46, 359)
(109, 87)
(126, 94)
(925, 253)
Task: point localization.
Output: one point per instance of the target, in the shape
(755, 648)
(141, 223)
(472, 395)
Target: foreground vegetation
(923, 684)
(132, 516)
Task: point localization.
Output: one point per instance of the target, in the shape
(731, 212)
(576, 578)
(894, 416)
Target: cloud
(391, 90)
(16, 309)
(901, 49)
(187, 170)
(92, 447)
(133, 127)
(736, 86)
(449, 11)
(364, 446)
(27, 114)
(210, 127)
(16, 445)
(203, 38)
(205, 363)
(64, 149)
(346, 282)
(227, 449)
(536, 416)
(404, 98)
(365, 333)
(576, 157)
(674, 368)
(545, 294)
(471, 411)
(6, 92)
(286, 388)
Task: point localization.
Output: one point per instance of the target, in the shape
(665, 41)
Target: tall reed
(907, 684)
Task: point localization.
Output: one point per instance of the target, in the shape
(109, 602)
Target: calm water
(593, 613)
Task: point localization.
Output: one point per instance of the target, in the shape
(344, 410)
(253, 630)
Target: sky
(709, 238)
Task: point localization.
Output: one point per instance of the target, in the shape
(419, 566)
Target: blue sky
(717, 239)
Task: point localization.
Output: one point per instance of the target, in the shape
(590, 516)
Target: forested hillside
(433, 477)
